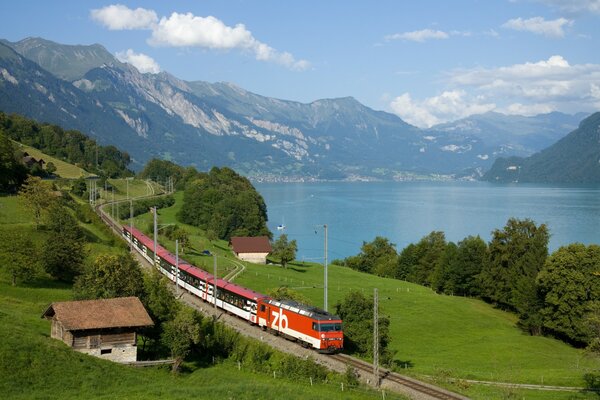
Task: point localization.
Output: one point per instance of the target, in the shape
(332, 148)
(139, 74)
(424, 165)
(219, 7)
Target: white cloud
(141, 61)
(539, 26)
(448, 106)
(554, 79)
(188, 30)
(525, 89)
(120, 17)
(419, 36)
(575, 6)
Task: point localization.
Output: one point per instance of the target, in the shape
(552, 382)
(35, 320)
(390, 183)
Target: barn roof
(258, 244)
(97, 314)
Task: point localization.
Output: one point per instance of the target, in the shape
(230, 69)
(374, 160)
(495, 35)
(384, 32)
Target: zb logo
(279, 320)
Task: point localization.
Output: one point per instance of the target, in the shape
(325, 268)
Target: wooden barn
(252, 249)
(103, 328)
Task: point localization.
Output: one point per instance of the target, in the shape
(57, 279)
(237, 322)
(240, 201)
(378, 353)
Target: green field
(32, 365)
(434, 335)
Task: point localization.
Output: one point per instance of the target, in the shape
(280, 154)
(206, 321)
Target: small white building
(103, 328)
(251, 249)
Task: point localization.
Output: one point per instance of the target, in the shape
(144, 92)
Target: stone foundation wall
(121, 354)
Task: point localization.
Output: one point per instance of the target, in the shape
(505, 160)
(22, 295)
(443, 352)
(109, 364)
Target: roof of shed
(97, 314)
(258, 244)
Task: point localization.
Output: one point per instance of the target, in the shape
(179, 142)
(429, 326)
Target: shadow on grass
(592, 382)
(399, 365)
(43, 282)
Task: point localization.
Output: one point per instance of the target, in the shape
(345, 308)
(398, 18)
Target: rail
(433, 392)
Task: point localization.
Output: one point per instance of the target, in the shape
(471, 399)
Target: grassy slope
(63, 169)
(435, 334)
(32, 365)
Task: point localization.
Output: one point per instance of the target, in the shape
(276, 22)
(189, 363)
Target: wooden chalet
(30, 161)
(252, 249)
(103, 328)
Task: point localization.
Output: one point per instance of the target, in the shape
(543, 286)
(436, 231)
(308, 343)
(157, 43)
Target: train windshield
(330, 327)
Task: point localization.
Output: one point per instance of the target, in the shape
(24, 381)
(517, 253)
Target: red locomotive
(312, 327)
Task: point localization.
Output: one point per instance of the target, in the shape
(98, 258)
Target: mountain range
(573, 159)
(205, 124)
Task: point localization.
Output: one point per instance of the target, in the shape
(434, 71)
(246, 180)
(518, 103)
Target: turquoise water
(404, 212)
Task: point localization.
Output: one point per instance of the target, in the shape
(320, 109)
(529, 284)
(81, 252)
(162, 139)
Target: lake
(404, 212)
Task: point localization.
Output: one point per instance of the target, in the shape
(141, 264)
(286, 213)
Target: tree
(12, 171)
(160, 303)
(425, 255)
(79, 187)
(181, 333)
(18, 256)
(284, 250)
(285, 293)
(516, 255)
(110, 276)
(226, 203)
(63, 252)
(37, 196)
(569, 286)
(465, 267)
(356, 311)
(376, 257)
(50, 168)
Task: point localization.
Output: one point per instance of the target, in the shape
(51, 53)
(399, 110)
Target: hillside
(205, 124)
(434, 335)
(32, 365)
(573, 159)
(63, 169)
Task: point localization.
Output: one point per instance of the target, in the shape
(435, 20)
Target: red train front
(309, 325)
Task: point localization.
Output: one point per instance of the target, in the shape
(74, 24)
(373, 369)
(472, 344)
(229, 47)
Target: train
(310, 326)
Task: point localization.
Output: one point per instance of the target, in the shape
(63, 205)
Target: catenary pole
(325, 278)
(215, 280)
(155, 234)
(131, 225)
(376, 337)
(176, 267)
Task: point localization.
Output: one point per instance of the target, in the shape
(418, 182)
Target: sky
(427, 61)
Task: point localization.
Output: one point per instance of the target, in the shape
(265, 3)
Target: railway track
(396, 382)
(423, 390)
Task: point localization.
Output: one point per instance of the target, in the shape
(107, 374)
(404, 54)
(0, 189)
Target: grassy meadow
(435, 336)
(34, 366)
(63, 169)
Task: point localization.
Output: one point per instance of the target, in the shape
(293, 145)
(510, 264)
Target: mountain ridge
(204, 124)
(573, 159)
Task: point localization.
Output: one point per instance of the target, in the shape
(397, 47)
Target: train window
(262, 308)
(330, 327)
(314, 326)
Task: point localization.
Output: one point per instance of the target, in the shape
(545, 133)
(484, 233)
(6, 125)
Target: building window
(105, 351)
